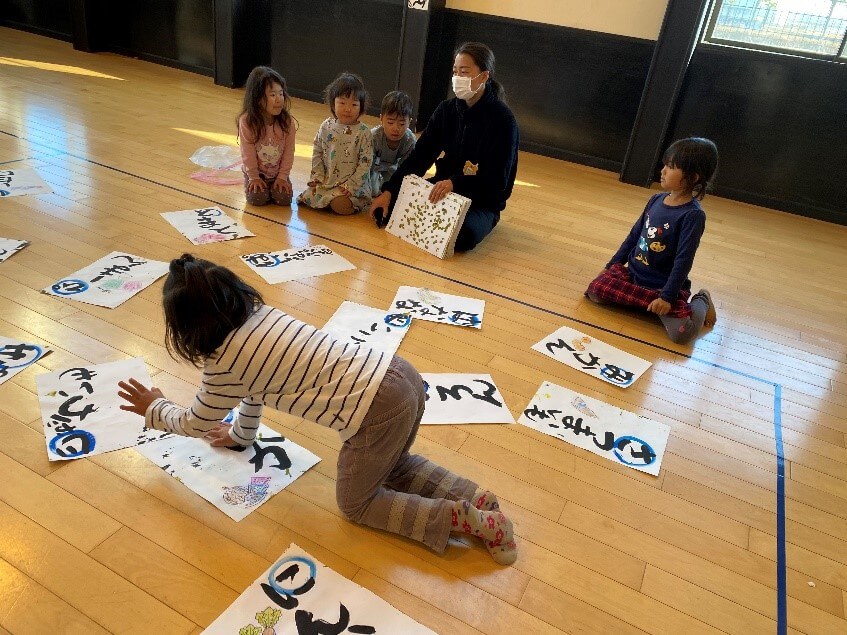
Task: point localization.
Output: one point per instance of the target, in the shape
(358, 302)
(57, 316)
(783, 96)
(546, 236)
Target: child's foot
(492, 527)
(711, 313)
(485, 500)
(342, 205)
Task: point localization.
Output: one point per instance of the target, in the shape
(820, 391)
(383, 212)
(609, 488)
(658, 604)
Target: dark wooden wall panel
(574, 93)
(45, 17)
(779, 123)
(314, 40)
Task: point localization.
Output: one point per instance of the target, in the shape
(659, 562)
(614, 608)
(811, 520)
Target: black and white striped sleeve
(218, 395)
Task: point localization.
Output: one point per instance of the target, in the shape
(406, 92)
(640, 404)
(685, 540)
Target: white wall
(634, 18)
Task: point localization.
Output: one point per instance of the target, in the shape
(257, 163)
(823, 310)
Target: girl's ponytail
(203, 303)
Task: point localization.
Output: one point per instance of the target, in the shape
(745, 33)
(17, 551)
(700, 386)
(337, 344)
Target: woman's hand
(138, 396)
(381, 201)
(440, 190)
(219, 437)
(659, 307)
(256, 185)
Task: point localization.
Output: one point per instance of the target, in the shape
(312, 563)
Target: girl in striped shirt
(254, 355)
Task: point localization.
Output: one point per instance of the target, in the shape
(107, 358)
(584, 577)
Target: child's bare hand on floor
(219, 437)
(138, 395)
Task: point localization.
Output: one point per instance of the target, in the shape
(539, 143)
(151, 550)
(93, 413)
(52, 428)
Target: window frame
(840, 57)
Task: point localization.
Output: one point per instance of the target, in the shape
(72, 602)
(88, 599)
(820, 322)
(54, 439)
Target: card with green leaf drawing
(432, 227)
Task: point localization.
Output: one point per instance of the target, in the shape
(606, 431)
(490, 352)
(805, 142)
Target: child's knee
(282, 198)
(351, 511)
(342, 205)
(258, 198)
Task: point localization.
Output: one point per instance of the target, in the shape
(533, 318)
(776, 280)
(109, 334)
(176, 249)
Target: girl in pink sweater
(266, 134)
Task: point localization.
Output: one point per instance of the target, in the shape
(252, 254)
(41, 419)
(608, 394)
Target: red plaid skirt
(616, 285)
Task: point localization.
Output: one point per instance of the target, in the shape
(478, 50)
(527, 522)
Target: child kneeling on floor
(254, 355)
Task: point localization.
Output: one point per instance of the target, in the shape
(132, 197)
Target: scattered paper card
(16, 355)
(593, 357)
(615, 434)
(9, 247)
(236, 481)
(22, 182)
(293, 264)
(424, 304)
(432, 227)
(80, 409)
(110, 281)
(368, 326)
(463, 398)
(299, 595)
(206, 225)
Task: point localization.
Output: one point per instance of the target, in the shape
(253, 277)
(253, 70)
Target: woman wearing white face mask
(479, 137)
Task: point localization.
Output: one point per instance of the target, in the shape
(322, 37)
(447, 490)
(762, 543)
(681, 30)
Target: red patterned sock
(485, 500)
(492, 527)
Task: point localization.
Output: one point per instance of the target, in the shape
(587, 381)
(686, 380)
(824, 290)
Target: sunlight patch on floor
(58, 68)
(229, 139)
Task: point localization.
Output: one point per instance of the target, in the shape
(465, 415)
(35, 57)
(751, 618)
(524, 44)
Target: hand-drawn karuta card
(617, 435)
(206, 225)
(80, 409)
(592, 357)
(463, 398)
(293, 264)
(297, 595)
(425, 304)
(110, 281)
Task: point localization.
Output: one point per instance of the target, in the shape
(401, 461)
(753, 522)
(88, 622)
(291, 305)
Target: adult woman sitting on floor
(479, 137)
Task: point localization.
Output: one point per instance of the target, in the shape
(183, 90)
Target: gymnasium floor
(113, 544)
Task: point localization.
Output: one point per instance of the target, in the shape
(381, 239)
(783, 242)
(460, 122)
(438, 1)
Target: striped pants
(382, 485)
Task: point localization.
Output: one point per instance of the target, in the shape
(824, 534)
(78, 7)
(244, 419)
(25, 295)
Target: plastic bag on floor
(217, 157)
(223, 165)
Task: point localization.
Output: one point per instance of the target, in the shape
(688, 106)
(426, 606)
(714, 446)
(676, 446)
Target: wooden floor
(113, 544)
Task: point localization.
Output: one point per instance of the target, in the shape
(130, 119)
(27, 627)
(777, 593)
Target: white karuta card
(425, 304)
(368, 326)
(617, 435)
(593, 357)
(110, 281)
(9, 247)
(22, 182)
(293, 264)
(206, 225)
(236, 481)
(298, 595)
(80, 409)
(16, 356)
(463, 398)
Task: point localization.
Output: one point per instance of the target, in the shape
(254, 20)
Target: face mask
(462, 86)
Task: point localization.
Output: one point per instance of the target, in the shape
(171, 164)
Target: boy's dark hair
(203, 303)
(254, 92)
(346, 85)
(396, 103)
(698, 159)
